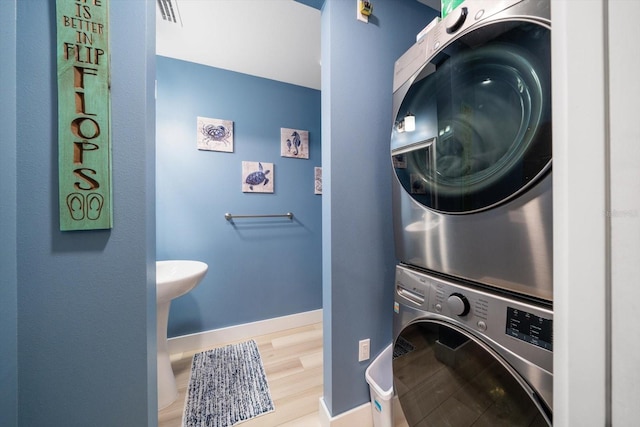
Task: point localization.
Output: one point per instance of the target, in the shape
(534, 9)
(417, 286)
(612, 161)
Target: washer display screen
(530, 328)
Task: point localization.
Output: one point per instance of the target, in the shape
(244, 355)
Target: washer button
(438, 307)
(481, 325)
(479, 14)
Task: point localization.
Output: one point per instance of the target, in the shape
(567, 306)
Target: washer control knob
(456, 19)
(459, 304)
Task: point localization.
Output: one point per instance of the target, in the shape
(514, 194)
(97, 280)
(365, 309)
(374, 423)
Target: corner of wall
(8, 212)
(358, 259)
(359, 416)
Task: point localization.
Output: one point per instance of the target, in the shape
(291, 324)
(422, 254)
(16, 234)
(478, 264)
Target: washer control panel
(461, 20)
(518, 325)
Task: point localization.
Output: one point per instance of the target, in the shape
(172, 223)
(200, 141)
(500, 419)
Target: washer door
(482, 110)
(444, 377)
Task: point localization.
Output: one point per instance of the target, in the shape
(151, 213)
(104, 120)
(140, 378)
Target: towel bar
(229, 216)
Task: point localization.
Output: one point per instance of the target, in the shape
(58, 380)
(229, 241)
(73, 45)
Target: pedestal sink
(173, 279)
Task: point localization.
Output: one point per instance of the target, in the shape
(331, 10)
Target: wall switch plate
(364, 348)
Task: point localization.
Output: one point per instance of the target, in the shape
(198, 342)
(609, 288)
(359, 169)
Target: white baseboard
(215, 337)
(359, 416)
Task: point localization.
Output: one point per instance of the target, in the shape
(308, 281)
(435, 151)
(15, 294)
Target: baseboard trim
(193, 342)
(359, 416)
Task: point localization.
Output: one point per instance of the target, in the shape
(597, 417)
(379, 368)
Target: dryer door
(482, 109)
(444, 377)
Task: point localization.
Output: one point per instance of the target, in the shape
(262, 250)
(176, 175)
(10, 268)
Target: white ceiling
(273, 39)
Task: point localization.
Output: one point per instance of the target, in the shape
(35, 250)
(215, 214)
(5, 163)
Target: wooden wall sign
(84, 114)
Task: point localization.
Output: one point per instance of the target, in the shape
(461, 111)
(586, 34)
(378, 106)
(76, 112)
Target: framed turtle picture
(257, 177)
(417, 184)
(294, 143)
(215, 135)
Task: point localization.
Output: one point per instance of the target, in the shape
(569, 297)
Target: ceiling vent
(169, 11)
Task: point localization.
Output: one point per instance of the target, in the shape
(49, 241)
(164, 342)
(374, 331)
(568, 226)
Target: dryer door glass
(444, 378)
(482, 110)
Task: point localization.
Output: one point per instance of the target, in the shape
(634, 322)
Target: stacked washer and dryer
(472, 196)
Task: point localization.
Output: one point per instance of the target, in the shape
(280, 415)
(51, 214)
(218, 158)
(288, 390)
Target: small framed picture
(400, 161)
(417, 184)
(294, 143)
(215, 135)
(257, 177)
(317, 174)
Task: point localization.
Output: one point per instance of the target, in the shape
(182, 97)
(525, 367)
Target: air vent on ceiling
(169, 11)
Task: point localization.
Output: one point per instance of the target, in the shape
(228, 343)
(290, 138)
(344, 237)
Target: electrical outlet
(364, 347)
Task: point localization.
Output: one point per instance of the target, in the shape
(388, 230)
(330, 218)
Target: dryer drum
(482, 141)
(483, 130)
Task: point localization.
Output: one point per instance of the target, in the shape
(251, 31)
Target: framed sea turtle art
(215, 134)
(257, 177)
(294, 143)
(417, 184)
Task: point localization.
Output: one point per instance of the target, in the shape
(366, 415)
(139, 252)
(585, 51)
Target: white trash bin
(379, 376)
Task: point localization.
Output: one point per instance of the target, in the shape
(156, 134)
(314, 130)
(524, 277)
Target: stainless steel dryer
(468, 357)
(471, 148)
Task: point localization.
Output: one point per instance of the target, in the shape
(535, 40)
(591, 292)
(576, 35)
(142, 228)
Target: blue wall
(358, 256)
(258, 268)
(86, 300)
(8, 260)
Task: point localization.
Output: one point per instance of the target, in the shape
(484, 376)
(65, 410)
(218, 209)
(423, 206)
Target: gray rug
(227, 386)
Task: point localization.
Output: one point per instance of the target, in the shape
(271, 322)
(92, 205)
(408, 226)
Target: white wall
(624, 91)
(596, 212)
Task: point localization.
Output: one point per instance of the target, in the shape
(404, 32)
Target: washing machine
(465, 356)
(471, 148)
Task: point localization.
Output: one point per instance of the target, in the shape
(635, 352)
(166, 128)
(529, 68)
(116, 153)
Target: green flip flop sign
(84, 115)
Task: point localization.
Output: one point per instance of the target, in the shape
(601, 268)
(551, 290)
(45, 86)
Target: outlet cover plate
(364, 349)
